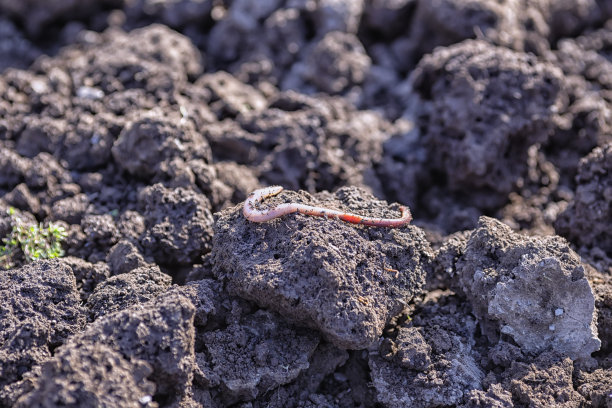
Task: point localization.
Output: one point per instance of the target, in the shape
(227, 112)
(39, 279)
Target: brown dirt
(141, 127)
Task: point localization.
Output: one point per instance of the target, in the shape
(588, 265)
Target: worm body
(251, 213)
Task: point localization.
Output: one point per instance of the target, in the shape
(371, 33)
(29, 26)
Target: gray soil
(142, 126)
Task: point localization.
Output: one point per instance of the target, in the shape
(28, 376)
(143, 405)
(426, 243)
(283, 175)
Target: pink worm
(253, 214)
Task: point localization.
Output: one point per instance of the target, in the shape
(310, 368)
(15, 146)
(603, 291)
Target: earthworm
(251, 213)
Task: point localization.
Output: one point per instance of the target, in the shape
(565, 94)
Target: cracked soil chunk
(87, 275)
(40, 309)
(337, 63)
(305, 142)
(596, 387)
(121, 291)
(461, 19)
(531, 289)
(429, 362)
(587, 220)
(547, 382)
(494, 397)
(90, 375)
(484, 106)
(256, 355)
(153, 138)
(179, 224)
(344, 280)
(124, 257)
(229, 97)
(12, 167)
(324, 361)
(154, 58)
(159, 332)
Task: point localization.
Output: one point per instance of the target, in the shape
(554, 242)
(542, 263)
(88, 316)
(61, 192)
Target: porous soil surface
(141, 127)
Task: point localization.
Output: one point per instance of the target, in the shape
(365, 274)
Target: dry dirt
(142, 125)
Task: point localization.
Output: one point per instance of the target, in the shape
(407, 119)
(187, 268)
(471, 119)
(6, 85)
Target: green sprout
(30, 242)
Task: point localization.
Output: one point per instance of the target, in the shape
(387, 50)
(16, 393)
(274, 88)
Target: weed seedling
(28, 242)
